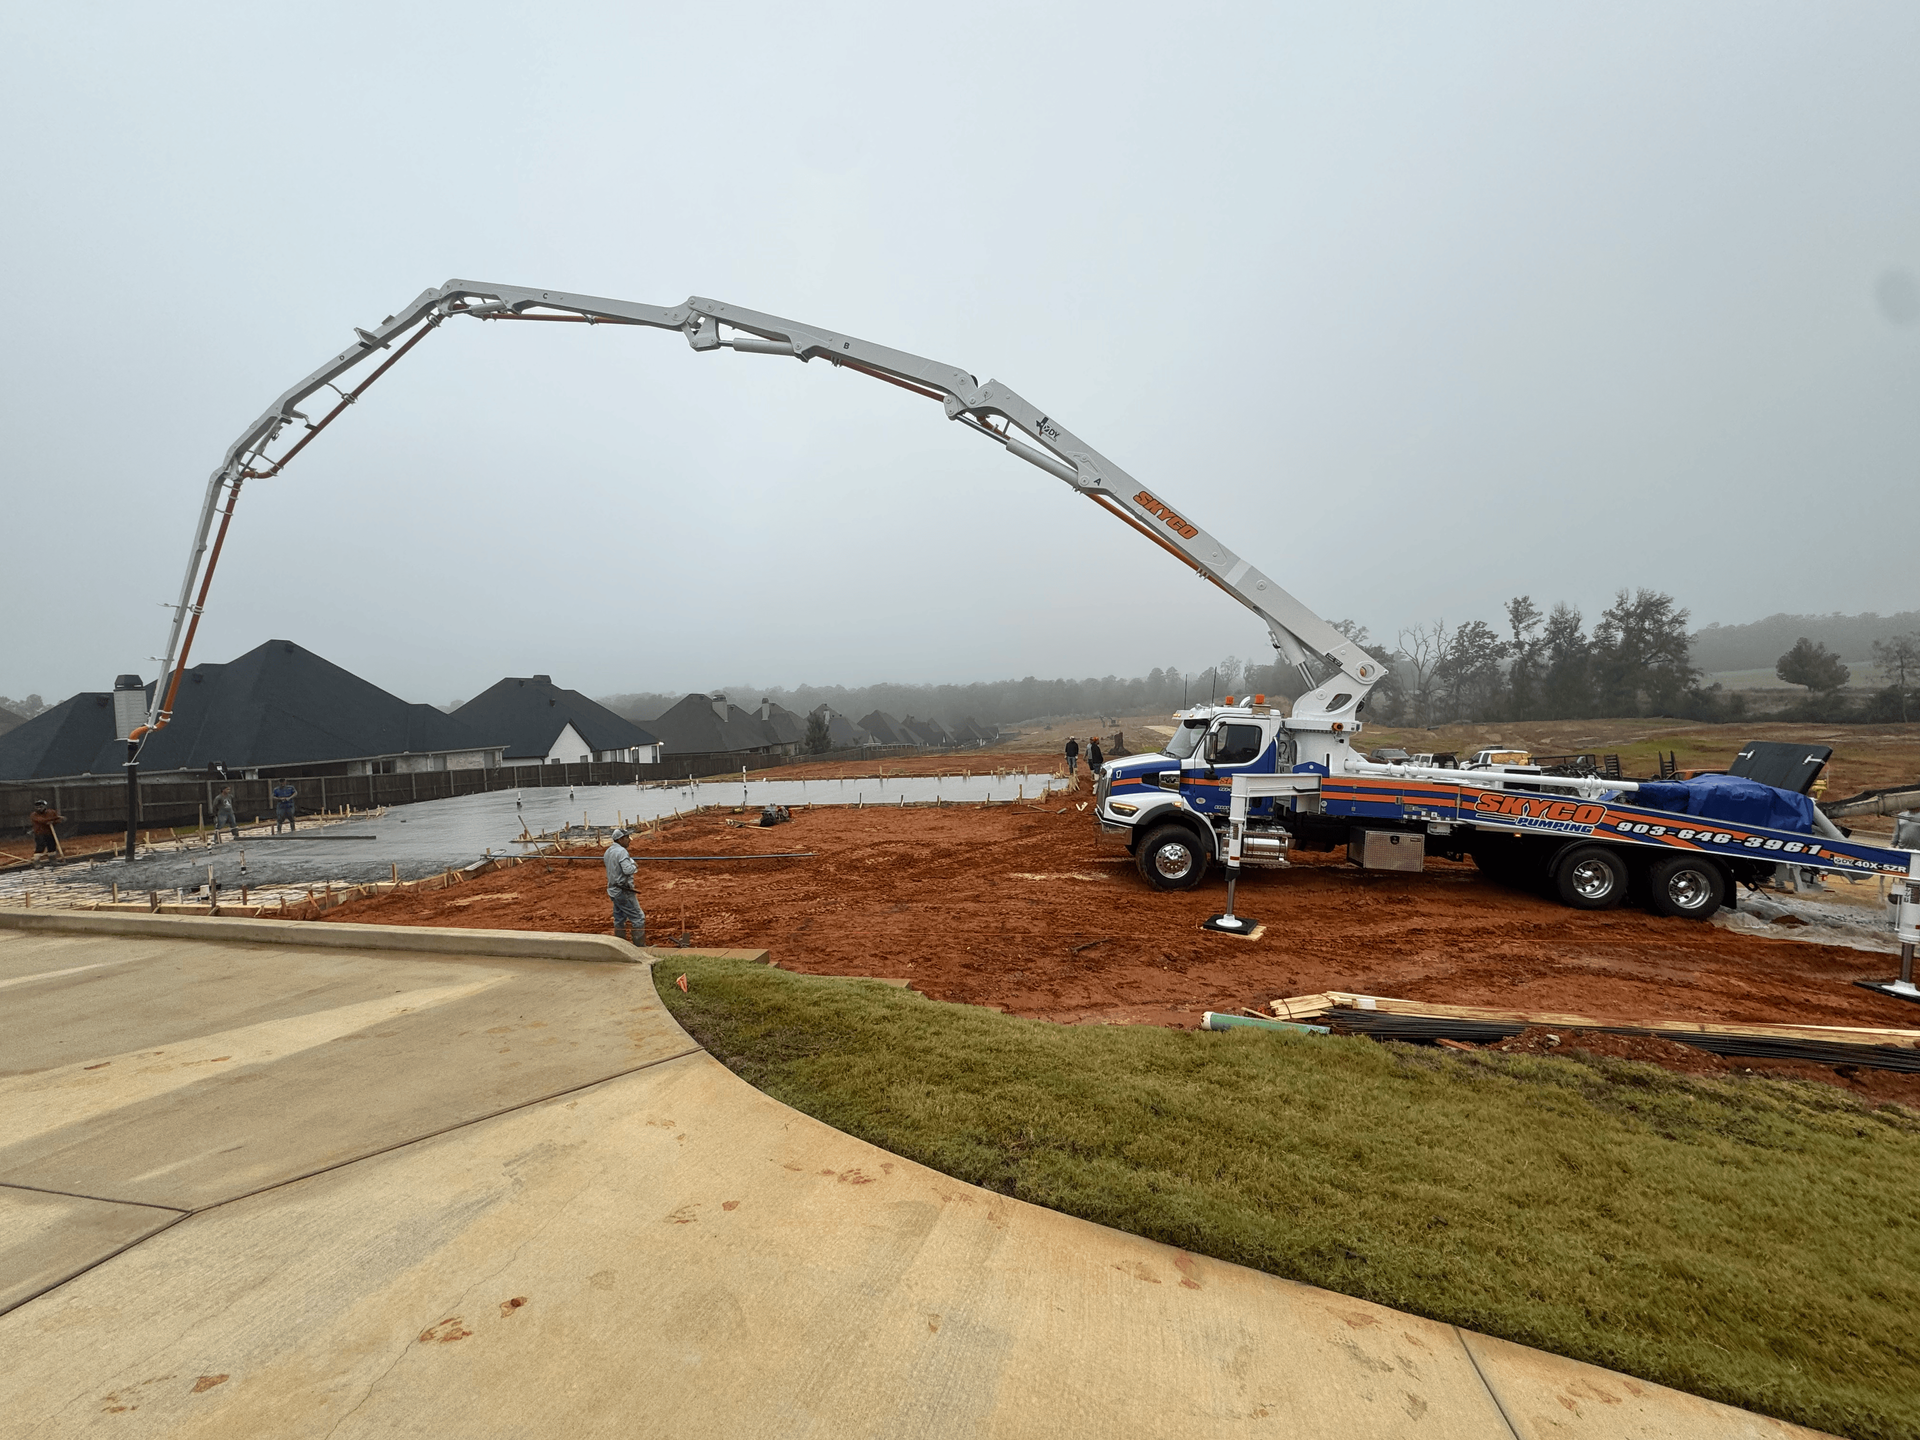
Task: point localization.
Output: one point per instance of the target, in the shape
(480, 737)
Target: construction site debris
(1882, 1048)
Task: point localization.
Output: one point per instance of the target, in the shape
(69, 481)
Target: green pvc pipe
(1214, 1021)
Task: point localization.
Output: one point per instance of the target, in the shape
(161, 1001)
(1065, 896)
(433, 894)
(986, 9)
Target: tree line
(991, 702)
(1547, 665)
(1634, 660)
(1811, 664)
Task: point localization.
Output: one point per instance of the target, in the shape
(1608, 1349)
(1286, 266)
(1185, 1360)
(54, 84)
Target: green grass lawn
(1756, 1242)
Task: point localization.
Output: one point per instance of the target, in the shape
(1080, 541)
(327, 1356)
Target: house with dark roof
(971, 732)
(885, 730)
(786, 727)
(712, 724)
(927, 732)
(842, 733)
(278, 709)
(541, 723)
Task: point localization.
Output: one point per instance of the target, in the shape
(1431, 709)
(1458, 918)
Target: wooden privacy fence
(96, 804)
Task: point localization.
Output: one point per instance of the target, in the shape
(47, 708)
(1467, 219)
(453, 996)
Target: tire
(1172, 858)
(1590, 877)
(1686, 887)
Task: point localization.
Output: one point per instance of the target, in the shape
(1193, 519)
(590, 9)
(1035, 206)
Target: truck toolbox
(1387, 849)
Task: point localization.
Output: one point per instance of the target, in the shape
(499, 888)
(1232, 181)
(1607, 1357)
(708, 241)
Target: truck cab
(1171, 808)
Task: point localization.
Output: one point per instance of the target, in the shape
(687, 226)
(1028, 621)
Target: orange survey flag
(681, 982)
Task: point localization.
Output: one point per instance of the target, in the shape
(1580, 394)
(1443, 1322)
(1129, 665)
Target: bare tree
(1425, 647)
(1900, 658)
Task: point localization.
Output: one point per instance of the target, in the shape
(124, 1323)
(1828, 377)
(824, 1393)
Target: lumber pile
(1424, 1021)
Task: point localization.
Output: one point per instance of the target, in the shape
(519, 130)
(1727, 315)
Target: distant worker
(774, 815)
(223, 813)
(627, 914)
(1073, 754)
(45, 841)
(283, 796)
(1094, 758)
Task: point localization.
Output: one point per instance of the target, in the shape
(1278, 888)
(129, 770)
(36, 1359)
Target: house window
(380, 767)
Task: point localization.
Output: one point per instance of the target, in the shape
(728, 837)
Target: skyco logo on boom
(1174, 523)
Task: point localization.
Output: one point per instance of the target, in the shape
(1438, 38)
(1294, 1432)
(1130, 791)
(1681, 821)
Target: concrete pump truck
(1236, 784)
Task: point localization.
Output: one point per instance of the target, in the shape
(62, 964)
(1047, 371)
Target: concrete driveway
(267, 1178)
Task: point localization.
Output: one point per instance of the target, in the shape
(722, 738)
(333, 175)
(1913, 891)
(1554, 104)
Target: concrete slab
(184, 1075)
(666, 1252)
(45, 1239)
(435, 835)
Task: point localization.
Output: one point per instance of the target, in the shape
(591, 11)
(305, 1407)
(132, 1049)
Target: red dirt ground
(1025, 910)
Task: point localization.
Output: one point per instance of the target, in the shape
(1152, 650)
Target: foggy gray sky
(1418, 307)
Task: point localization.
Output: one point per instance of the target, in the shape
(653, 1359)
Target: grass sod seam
(1751, 1241)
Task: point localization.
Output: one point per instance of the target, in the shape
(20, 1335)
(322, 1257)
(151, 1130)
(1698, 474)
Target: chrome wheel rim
(1688, 889)
(1173, 861)
(1592, 879)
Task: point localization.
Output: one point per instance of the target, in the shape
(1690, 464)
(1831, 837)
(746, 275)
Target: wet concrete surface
(434, 835)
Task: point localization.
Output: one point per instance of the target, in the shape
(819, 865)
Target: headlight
(1121, 807)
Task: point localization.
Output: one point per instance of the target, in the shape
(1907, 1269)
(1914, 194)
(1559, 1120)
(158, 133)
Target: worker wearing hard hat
(627, 914)
(46, 841)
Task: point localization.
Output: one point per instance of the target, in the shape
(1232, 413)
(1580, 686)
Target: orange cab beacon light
(1229, 699)
(1259, 699)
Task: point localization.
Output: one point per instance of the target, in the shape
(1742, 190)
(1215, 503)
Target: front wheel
(1172, 858)
(1590, 877)
(1687, 887)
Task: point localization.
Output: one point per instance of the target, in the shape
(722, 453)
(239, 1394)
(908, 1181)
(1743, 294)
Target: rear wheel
(1590, 877)
(1172, 858)
(1689, 887)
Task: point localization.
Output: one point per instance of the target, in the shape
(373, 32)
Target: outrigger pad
(1243, 927)
(1891, 988)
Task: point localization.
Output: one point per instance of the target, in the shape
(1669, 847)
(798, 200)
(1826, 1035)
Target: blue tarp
(1728, 797)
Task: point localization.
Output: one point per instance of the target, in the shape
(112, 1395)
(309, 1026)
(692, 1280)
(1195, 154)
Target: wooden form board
(1301, 1007)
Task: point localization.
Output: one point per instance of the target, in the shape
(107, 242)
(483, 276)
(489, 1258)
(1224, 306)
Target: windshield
(1180, 744)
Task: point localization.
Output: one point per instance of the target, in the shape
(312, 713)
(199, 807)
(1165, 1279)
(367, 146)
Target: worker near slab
(627, 914)
(1073, 754)
(45, 840)
(283, 804)
(223, 816)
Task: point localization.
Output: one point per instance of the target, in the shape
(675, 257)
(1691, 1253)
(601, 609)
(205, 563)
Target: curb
(316, 934)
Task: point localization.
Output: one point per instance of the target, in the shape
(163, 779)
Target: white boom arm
(993, 410)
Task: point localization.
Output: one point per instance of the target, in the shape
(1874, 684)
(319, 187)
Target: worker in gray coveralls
(223, 816)
(627, 913)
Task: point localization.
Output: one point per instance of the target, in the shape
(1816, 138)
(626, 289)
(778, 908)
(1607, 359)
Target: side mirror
(1212, 749)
